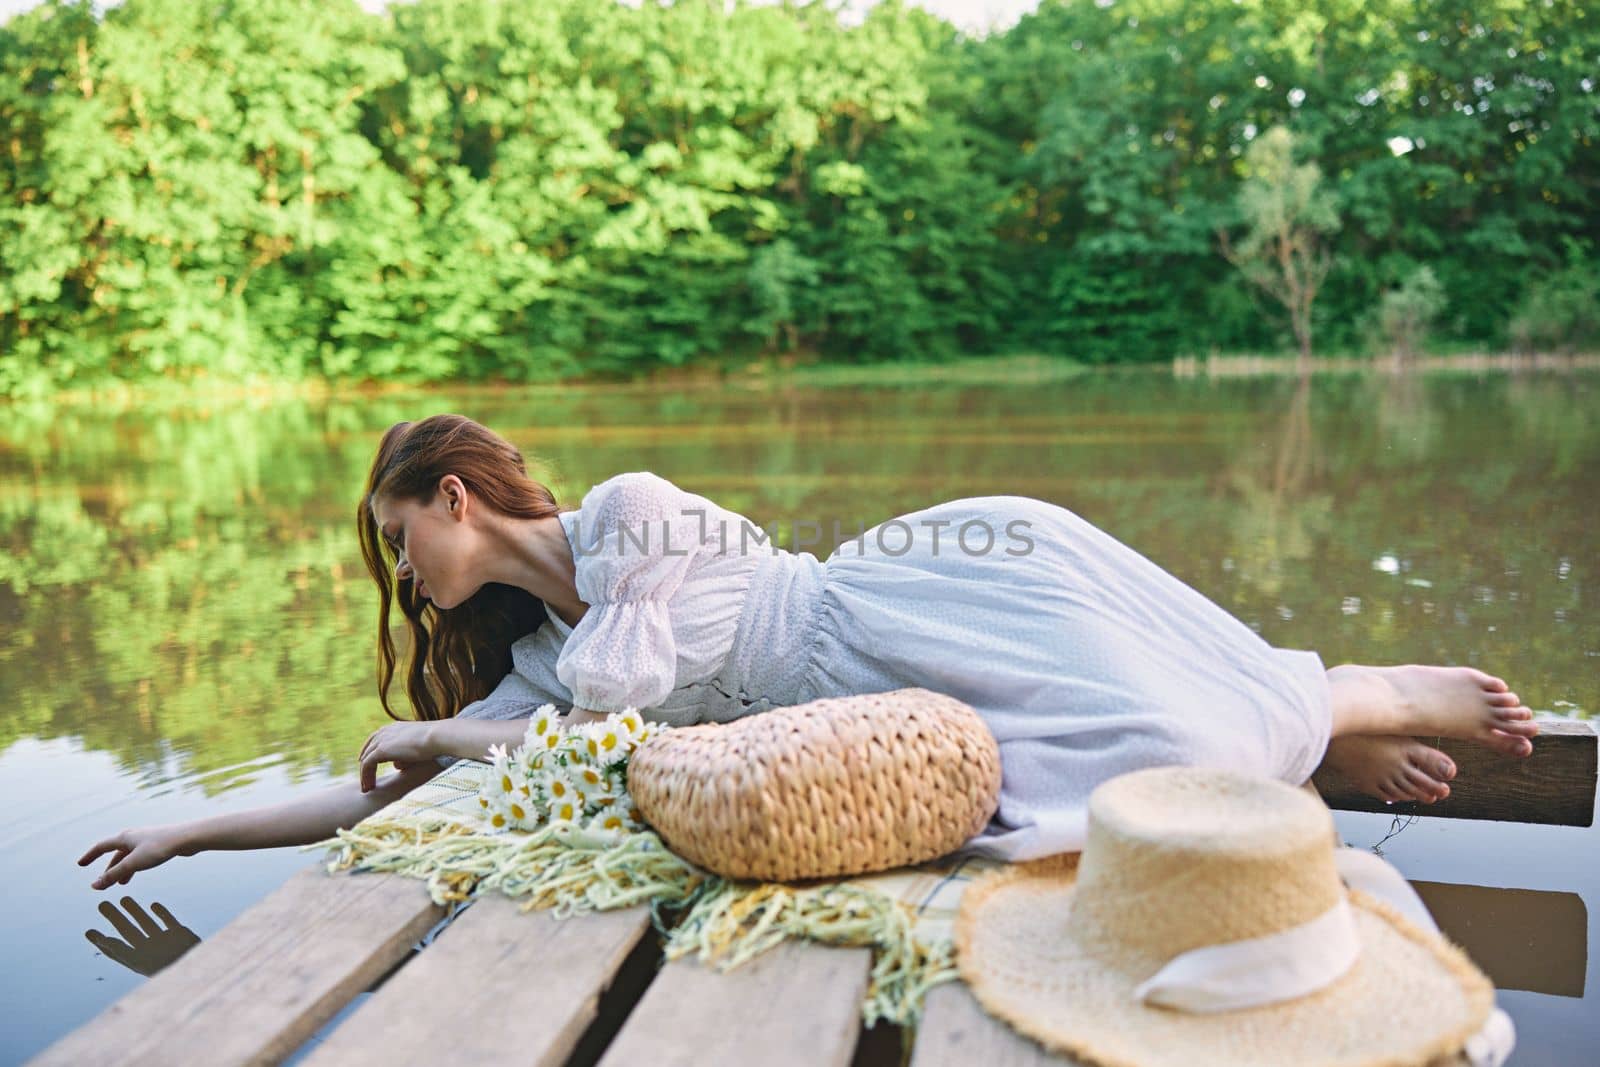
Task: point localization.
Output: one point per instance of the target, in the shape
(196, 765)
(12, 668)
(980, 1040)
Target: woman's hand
(400, 743)
(578, 716)
(134, 851)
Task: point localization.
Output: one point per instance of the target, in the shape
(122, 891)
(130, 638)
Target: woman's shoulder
(638, 533)
(634, 495)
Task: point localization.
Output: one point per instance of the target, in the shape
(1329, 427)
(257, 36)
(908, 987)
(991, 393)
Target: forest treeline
(488, 189)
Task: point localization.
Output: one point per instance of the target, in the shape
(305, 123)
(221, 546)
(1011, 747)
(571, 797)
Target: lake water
(186, 627)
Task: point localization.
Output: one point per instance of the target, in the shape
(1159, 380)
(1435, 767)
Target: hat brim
(1411, 997)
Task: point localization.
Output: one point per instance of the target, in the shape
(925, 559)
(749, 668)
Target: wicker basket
(839, 786)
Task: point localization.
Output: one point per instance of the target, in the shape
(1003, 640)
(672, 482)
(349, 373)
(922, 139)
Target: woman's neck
(534, 554)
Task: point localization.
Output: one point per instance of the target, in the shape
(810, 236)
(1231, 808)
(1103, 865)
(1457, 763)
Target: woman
(1085, 659)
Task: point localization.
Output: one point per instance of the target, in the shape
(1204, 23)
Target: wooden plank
(517, 980)
(798, 1005)
(1555, 785)
(263, 984)
(957, 1032)
(1521, 938)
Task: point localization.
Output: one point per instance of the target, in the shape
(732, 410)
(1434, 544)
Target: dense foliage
(470, 189)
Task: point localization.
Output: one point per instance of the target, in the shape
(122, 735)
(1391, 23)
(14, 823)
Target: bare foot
(1391, 768)
(1459, 702)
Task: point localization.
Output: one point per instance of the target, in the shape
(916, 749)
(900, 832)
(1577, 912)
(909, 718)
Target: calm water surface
(186, 627)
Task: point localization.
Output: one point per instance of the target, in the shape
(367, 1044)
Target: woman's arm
(317, 817)
(297, 822)
(470, 738)
(314, 818)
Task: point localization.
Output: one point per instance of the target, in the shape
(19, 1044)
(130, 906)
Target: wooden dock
(499, 986)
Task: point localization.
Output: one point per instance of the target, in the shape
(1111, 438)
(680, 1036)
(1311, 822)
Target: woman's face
(432, 543)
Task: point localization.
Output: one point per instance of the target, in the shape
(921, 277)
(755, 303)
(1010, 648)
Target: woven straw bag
(839, 786)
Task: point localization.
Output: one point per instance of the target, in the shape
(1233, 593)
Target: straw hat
(1205, 923)
(836, 786)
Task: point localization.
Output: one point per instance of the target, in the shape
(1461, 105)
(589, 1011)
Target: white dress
(1085, 659)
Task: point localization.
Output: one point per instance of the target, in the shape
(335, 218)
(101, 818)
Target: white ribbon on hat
(1259, 970)
(1304, 959)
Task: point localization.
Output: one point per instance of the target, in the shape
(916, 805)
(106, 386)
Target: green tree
(1562, 309)
(1286, 212)
(1407, 312)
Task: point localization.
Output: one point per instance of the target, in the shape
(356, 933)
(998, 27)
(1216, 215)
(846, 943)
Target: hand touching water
(134, 851)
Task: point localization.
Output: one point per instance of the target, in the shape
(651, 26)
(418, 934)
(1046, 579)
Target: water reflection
(183, 606)
(142, 944)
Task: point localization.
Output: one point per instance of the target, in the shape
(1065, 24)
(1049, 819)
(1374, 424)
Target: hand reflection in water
(146, 948)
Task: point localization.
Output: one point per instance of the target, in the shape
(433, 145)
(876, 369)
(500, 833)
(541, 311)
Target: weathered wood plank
(798, 1005)
(1555, 785)
(1521, 938)
(255, 991)
(957, 1032)
(515, 980)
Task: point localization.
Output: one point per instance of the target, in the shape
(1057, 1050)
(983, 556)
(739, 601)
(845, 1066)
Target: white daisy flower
(564, 811)
(522, 814)
(607, 743)
(558, 787)
(529, 759)
(500, 776)
(608, 822)
(631, 722)
(606, 794)
(544, 722)
(589, 779)
(574, 739)
(498, 817)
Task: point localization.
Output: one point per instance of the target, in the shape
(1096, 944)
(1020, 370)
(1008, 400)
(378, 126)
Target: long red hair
(457, 655)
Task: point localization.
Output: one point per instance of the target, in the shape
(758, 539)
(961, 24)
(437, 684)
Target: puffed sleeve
(637, 538)
(531, 684)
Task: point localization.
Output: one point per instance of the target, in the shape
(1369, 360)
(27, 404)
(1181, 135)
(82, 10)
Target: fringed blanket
(905, 916)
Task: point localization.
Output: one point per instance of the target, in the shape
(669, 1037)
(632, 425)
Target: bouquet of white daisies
(574, 775)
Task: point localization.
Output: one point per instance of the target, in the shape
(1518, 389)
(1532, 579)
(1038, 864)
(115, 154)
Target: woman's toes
(1421, 787)
(1431, 762)
(1517, 721)
(1509, 744)
(1504, 700)
(1488, 681)
(1404, 788)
